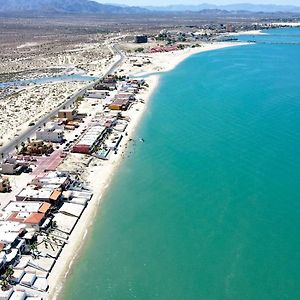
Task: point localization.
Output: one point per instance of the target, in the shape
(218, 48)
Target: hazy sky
(167, 2)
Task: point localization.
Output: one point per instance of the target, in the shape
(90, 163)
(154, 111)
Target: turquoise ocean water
(209, 206)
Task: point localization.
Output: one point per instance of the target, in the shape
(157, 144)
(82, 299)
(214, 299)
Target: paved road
(32, 129)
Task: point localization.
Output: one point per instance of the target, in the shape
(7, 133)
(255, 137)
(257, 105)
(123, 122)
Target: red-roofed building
(31, 218)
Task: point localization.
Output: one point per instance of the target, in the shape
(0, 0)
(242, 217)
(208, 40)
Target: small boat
(142, 140)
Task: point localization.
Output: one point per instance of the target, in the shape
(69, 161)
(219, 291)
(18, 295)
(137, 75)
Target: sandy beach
(167, 61)
(250, 32)
(98, 183)
(100, 174)
(289, 24)
(79, 98)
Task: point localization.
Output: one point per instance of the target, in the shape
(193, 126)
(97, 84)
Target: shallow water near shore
(208, 206)
(50, 79)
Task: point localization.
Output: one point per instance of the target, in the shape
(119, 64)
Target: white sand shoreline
(286, 24)
(165, 62)
(249, 32)
(100, 177)
(65, 260)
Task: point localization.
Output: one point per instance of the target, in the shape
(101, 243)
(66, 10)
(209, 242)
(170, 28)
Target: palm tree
(4, 284)
(53, 225)
(9, 272)
(6, 278)
(33, 248)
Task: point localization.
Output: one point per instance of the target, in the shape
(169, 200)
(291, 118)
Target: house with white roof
(51, 133)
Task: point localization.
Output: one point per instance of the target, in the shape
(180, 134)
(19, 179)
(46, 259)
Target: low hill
(267, 8)
(65, 7)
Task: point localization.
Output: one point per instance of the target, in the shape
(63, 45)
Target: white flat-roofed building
(53, 179)
(51, 133)
(61, 181)
(130, 89)
(18, 295)
(4, 295)
(10, 231)
(12, 255)
(31, 194)
(80, 201)
(28, 279)
(17, 275)
(43, 194)
(9, 166)
(72, 209)
(27, 206)
(41, 284)
(99, 94)
(82, 194)
(125, 96)
(64, 222)
(72, 195)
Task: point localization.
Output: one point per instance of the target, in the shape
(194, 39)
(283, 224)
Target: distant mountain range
(65, 6)
(269, 8)
(94, 7)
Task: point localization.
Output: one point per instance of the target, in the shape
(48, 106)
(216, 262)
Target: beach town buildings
(11, 242)
(119, 104)
(36, 225)
(98, 94)
(53, 179)
(31, 213)
(109, 83)
(125, 95)
(12, 166)
(105, 86)
(51, 133)
(69, 114)
(122, 101)
(42, 194)
(36, 147)
(110, 79)
(90, 140)
(33, 234)
(4, 184)
(19, 222)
